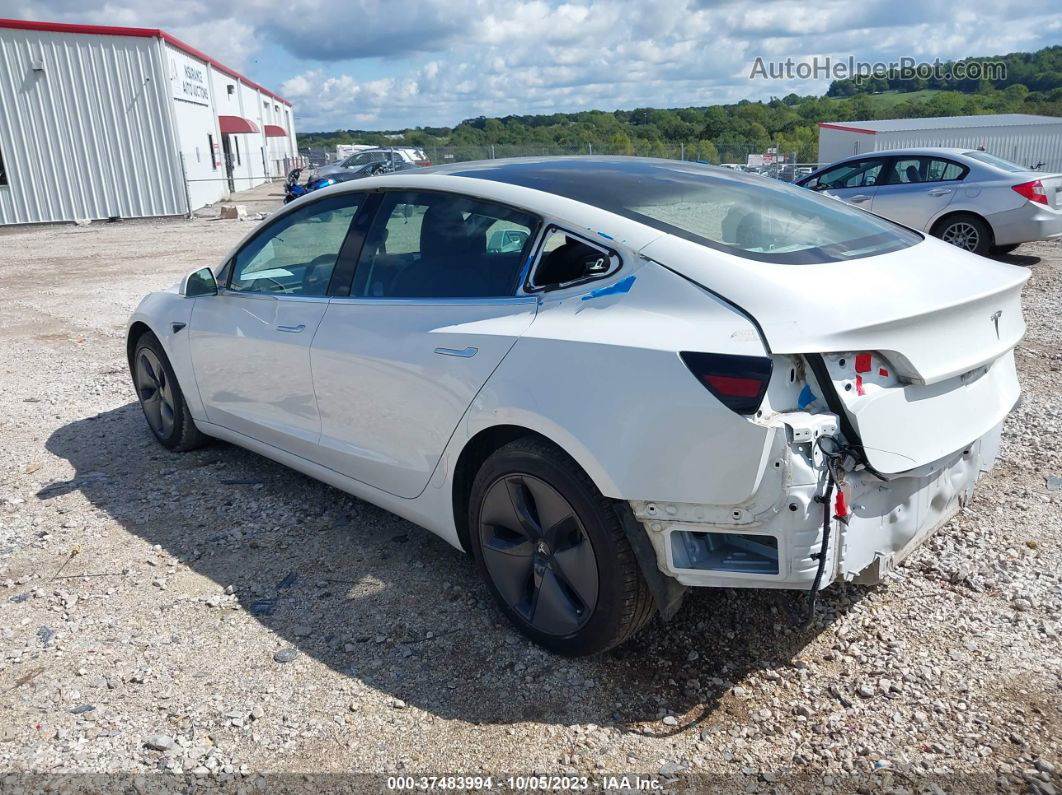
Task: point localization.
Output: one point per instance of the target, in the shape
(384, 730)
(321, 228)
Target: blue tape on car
(806, 398)
(606, 235)
(616, 288)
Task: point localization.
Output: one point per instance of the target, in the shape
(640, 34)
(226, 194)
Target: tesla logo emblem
(995, 320)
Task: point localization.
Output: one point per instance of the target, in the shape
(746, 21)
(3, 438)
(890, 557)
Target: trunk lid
(1053, 188)
(937, 316)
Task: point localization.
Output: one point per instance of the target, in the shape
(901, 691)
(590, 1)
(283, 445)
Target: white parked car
(607, 379)
(968, 198)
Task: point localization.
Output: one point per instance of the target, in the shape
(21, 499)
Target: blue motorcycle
(293, 190)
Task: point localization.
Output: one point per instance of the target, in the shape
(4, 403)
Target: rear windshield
(998, 162)
(750, 216)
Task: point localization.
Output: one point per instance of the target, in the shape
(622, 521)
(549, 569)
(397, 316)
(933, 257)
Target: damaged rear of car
(812, 389)
(891, 370)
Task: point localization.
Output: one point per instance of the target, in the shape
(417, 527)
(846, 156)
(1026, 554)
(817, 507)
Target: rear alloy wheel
(966, 231)
(553, 552)
(161, 398)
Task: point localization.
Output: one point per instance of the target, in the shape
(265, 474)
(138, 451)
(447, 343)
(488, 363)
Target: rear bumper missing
(770, 541)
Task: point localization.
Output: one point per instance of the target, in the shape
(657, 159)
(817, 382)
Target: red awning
(235, 125)
(273, 131)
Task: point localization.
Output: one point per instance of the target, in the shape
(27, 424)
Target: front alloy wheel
(160, 396)
(155, 393)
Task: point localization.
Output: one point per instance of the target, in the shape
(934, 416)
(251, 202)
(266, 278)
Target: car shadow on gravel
(379, 599)
(1022, 260)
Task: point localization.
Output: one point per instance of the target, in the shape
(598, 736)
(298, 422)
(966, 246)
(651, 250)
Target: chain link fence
(695, 151)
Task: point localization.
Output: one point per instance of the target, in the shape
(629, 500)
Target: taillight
(739, 382)
(423, 163)
(1033, 191)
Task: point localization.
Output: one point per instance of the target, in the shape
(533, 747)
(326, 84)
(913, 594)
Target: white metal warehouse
(105, 122)
(1021, 138)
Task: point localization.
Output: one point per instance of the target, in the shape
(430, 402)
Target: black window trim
(518, 296)
(530, 288)
(352, 243)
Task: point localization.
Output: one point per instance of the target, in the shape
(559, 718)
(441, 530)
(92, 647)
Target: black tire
(527, 549)
(161, 398)
(1002, 251)
(965, 231)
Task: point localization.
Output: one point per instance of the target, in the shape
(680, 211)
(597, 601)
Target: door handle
(859, 199)
(940, 191)
(466, 353)
(292, 329)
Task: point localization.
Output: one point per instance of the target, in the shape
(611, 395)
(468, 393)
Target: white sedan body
(903, 355)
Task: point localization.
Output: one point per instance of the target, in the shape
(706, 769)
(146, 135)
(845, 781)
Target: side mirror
(200, 282)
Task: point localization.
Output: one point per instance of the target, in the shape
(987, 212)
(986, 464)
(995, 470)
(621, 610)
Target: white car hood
(934, 310)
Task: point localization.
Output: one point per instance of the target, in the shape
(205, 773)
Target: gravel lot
(144, 597)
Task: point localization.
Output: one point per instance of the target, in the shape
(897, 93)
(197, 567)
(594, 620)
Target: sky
(392, 64)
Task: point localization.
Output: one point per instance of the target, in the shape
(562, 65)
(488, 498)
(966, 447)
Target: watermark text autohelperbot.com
(829, 68)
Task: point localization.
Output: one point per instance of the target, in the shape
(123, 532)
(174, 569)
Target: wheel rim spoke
(556, 611)
(523, 506)
(510, 568)
(576, 566)
(550, 507)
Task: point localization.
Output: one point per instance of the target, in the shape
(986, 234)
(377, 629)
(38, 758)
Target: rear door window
(913, 170)
(443, 245)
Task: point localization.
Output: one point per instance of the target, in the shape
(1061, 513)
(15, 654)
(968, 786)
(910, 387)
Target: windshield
(750, 216)
(998, 162)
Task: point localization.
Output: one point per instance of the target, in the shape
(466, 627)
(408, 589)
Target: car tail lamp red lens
(739, 382)
(1033, 191)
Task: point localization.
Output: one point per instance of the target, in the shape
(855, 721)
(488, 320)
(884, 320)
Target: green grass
(889, 99)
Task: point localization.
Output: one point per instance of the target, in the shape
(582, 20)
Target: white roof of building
(946, 122)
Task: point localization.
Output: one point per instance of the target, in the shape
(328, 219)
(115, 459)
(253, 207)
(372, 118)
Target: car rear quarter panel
(601, 377)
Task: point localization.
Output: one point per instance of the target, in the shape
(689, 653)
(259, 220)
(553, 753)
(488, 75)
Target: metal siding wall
(90, 136)
(1024, 145)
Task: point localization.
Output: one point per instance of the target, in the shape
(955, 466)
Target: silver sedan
(969, 198)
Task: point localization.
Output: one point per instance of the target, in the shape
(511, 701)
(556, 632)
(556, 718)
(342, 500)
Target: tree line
(727, 133)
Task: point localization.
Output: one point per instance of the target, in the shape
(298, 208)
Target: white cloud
(394, 63)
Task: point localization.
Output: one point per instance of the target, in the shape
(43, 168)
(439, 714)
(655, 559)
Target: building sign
(188, 78)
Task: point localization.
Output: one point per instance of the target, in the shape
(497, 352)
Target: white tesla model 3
(607, 379)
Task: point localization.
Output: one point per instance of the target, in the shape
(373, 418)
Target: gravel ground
(214, 614)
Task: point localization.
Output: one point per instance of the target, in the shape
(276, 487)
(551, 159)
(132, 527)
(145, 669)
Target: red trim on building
(275, 131)
(236, 125)
(142, 33)
(847, 129)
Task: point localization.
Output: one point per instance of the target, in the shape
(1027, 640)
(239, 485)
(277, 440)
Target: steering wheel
(309, 277)
(280, 288)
